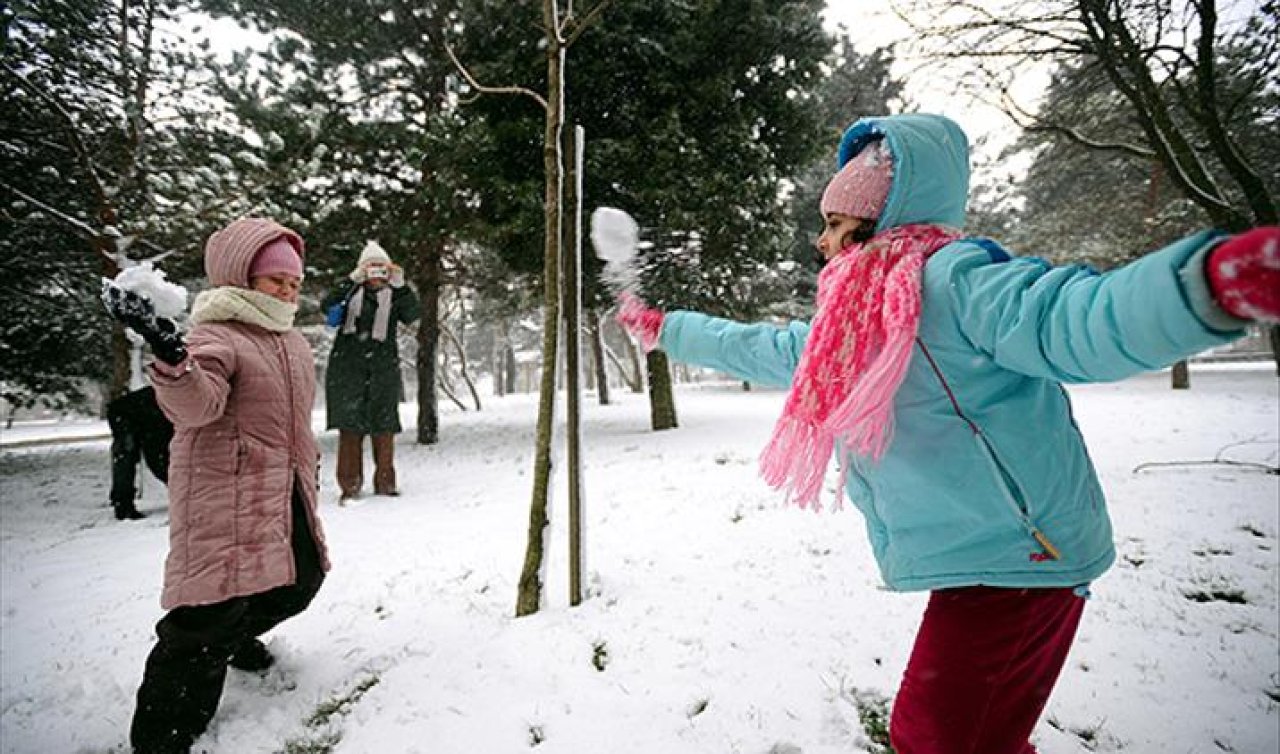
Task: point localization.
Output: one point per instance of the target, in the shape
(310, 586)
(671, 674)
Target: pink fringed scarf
(868, 310)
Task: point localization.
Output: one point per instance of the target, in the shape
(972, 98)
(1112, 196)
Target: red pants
(982, 668)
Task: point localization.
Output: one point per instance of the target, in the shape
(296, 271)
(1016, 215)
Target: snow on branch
(73, 131)
(79, 226)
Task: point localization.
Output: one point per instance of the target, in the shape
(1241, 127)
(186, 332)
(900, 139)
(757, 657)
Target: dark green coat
(362, 381)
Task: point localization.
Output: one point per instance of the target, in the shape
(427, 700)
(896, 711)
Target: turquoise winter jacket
(971, 479)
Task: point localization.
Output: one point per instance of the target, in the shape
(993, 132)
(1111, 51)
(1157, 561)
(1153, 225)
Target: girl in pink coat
(246, 549)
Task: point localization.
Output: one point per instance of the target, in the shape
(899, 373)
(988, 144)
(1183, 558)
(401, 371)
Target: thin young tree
(560, 29)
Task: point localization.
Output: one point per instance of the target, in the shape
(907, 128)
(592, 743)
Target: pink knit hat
(277, 257)
(230, 252)
(862, 185)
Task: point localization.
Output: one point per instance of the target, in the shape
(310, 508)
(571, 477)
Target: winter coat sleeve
(1072, 324)
(762, 353)
(195, 392)
(337, 295)
(407, 306)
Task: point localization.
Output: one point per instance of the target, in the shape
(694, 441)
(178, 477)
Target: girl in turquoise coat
(933, 371)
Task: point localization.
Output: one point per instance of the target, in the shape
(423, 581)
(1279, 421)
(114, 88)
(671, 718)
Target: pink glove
(642, 321)
(1244, 274)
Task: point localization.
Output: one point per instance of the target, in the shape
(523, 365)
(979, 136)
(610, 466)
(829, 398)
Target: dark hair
(861, 234)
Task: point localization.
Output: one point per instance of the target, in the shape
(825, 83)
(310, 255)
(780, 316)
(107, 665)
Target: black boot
(252, 656)
(127, 511)
(181, 686)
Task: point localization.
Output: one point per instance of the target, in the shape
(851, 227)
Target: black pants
(184, 675)
(139, 431)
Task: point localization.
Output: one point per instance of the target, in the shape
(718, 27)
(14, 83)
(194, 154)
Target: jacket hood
(930, 167)
(229, 252)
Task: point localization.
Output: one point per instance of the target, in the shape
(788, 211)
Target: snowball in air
(614, 234)
(169, 299)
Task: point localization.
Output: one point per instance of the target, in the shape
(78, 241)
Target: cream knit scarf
(229, 303)
(381, 317)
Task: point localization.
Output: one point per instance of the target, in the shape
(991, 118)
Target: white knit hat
(374, 254)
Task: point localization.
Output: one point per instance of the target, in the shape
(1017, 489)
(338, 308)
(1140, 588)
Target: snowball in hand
(614, 234)
(169, 299)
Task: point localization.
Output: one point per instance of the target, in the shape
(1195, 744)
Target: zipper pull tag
(1051, 552)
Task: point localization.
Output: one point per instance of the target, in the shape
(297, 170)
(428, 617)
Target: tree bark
(463, 369)
(448, 392)
(637, 381)
(634, 383)
(427, 275)
(662, 402)
(1273, 335)
(497, 363)
(1120, 55)
(509, 371)
(597, 357)
(529, 591)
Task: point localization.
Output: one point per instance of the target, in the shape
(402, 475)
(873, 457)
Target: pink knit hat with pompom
(862, 185)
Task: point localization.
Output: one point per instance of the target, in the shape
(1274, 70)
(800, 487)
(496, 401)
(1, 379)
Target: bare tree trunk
(120, 368)
(427, 276)
(627, 375)
(637, 383)
(529, 592)
(509, 370)
(1273, 335)
(462, 362)
(443, 384)
(589, 367)
(597, 356)
(662, 402)
(497, 366)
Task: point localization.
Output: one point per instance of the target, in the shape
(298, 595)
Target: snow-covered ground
(718, 620)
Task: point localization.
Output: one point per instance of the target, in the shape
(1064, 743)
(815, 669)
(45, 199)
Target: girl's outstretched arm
(1072, 324)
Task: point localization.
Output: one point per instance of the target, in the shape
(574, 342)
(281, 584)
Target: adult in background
(139, 431)
(362, 382)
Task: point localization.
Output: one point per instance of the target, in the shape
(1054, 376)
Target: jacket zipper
(293, 471)
(1017, 503)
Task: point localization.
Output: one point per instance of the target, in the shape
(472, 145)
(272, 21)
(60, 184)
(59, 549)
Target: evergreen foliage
(99, 169)
(695, 115)
(350, 123)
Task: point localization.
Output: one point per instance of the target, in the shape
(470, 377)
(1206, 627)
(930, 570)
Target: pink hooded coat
(241, 407)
